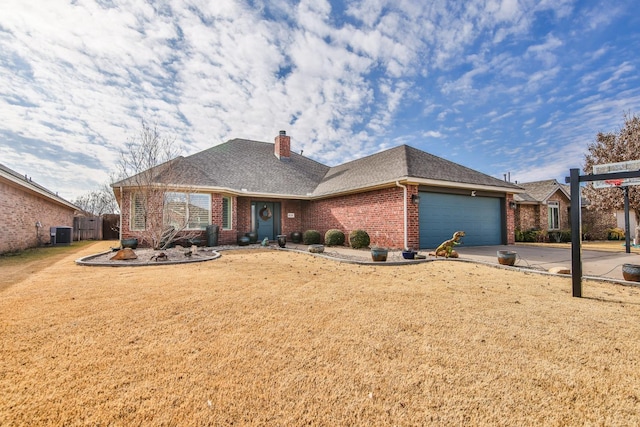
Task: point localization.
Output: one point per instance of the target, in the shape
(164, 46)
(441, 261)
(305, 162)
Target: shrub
(531, 235)
(311, 237)
(615, 234)
(334, 237)
(359, 239)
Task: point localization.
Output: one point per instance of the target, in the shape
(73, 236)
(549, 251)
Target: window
(138, 212)
(226, 213)
(185, 210)
(554, 215)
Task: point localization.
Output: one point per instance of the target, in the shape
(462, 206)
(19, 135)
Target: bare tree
(98, 202)
(150, 164)
(612, 147)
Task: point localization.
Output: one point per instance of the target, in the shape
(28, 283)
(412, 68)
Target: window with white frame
(226, 213)
(138, 212)
(554, 215)
(187, 210)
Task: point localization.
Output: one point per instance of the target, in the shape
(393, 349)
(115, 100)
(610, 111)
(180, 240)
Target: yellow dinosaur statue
(446, 248)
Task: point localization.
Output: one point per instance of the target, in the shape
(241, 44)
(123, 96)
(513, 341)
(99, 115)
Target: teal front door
(267, 219)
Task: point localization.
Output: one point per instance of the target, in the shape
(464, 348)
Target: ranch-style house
(402, 197)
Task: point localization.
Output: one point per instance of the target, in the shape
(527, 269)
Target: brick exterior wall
(510, 219)
(379, 212)
(536, 216)
(19, 212)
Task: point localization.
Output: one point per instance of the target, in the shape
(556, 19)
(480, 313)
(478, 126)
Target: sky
(506, 87)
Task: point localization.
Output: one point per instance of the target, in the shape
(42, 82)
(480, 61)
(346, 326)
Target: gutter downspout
(121, 206)
(406, 237)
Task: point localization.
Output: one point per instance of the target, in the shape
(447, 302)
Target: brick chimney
(283, 146)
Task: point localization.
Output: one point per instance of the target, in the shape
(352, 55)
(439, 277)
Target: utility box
(61, 235)
(212, 235)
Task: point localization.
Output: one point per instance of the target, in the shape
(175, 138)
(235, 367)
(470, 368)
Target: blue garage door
(441, 215)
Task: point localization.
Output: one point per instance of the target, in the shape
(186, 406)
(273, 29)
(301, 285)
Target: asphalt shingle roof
(539, 191)
(244, 164)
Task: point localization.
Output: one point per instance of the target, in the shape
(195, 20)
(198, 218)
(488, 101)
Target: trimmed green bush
(359, 239)
(311, 237)
(334, 237)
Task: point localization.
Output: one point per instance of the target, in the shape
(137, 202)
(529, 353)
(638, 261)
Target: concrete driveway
(597, 264)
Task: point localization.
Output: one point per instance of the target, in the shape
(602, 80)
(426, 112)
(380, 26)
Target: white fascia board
(462, 185)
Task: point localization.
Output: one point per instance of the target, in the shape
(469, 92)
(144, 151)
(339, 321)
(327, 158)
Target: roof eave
(35, 190)
(462, 185)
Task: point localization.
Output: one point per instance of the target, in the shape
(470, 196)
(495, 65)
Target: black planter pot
(296, 237)
(253, 237)
(282, 240)
(243, 241)
(408, 254)
(129, 243)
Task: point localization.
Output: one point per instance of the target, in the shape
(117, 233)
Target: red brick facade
(21, 210)
(511, 219)
(536, 216)
(379, 212)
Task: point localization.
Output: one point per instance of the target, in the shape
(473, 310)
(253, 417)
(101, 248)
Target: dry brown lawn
(278, 338)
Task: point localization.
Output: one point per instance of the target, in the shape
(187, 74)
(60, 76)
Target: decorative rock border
(147, 257)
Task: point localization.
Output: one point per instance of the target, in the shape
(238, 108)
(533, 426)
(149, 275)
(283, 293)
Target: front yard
(278, 338)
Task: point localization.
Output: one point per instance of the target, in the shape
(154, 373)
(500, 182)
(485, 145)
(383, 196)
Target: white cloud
(78, 76)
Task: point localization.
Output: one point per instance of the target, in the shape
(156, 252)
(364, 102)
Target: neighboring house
(546, 206)
(401, 197)
(29, 211)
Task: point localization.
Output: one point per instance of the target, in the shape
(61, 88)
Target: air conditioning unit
(61, 235)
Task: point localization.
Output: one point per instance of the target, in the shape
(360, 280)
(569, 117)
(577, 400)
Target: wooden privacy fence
(87, 228)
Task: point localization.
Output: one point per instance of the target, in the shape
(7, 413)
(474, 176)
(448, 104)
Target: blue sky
(501, 86)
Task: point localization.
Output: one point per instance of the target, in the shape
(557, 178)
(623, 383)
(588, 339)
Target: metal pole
(576, 234)
(627, 239)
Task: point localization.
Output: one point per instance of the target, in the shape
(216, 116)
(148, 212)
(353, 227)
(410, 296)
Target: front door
(267, 215)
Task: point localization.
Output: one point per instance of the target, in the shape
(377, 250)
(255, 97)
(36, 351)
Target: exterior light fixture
(512, 204)
(415, 199)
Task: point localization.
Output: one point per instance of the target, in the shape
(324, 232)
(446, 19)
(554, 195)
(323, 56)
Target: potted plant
(379, 254)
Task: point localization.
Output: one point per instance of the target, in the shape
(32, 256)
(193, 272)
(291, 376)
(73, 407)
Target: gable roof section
(540, 191)
(26, 184)
(241, 165)
(399, 164)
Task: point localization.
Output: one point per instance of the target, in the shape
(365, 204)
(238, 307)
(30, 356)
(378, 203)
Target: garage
(441, 215)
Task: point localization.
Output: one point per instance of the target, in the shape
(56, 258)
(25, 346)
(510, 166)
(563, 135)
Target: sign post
(609, 179)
